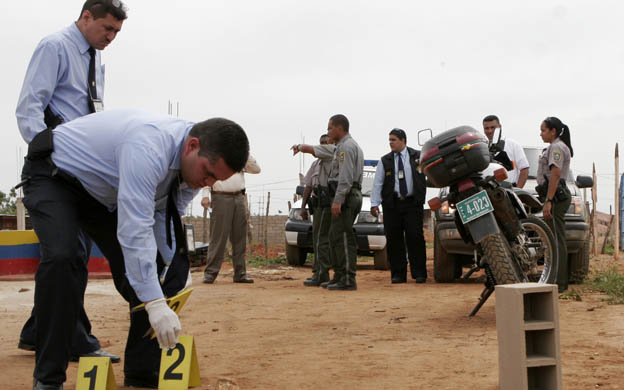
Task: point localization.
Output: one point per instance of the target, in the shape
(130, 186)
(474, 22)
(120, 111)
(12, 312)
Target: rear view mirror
(584, 181)
(424, 136)
(299, 190)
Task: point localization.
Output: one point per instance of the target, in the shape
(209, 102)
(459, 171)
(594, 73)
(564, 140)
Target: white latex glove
(165, 323)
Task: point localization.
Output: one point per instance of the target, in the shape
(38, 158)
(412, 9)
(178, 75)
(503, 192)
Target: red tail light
(500, 174)
(435, 203)
(465, 185)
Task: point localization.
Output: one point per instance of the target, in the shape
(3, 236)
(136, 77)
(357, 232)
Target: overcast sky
(282, 68)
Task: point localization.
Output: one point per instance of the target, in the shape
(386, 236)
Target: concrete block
(527, 323)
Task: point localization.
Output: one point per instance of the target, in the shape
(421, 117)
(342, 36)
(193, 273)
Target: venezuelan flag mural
(19, 254)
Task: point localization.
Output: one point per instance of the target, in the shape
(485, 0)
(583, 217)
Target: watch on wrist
(549, 200)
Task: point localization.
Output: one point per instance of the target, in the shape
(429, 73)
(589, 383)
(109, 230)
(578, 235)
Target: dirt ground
(278, 334)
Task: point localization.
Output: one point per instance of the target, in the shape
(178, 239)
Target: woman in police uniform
(552, 171)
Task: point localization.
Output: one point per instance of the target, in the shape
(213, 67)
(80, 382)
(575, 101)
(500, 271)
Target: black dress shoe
(342, 286)
(209, 279)
(421, 279)
(41, 386)
(97, 353)
(244, 280)
(398, 279)
(26, 346)
(312, 282)
(325, 284)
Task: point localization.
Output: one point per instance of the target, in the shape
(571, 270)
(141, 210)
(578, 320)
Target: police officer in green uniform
(345, 185)
(316, 196)
(552, 171)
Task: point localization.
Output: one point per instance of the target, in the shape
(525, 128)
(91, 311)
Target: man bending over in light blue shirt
(119, 175)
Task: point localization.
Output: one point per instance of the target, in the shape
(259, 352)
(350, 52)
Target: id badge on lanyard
(401, 175)
(98, 105)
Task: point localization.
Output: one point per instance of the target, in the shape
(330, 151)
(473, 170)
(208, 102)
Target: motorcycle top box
(453, 155)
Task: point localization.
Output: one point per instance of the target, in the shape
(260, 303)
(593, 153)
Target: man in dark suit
(400, 189)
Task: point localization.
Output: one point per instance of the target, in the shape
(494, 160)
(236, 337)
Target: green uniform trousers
(320, 239)
(557, 225)
(342, 242)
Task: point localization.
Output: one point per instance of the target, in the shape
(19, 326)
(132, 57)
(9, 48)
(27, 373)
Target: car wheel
(381, 259)
(579, 264)
(295, 256)
(446, 266)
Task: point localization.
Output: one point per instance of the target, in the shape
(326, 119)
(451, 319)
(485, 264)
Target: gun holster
(41, 146)
(322, 194)
(561, 194)
(332, 186)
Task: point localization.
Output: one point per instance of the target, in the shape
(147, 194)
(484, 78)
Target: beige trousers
(228, 220)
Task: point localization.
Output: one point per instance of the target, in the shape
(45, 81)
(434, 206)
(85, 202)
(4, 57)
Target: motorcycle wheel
(543, 251)
(498, 256)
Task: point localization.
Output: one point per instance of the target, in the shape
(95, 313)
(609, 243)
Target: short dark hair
(220, 137)
(100, 8)
(340, 120)
(322, 137)
(399, 133)
(490, 118)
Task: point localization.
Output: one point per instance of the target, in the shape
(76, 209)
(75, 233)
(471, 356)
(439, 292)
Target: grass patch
(572, 295)
(261, 261)
(610, 282)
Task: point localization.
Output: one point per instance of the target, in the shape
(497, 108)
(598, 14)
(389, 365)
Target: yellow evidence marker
(176, 303)
(179, 368)
(95, 373)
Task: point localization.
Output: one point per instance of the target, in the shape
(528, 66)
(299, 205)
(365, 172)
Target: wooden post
(21, 214)
(609, 232)
(204, 227)
(594, 212)
(616, 241)
(266, 226)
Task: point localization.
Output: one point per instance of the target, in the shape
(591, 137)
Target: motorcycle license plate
(473, 207)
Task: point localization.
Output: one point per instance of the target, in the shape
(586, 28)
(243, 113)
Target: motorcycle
(513, 245)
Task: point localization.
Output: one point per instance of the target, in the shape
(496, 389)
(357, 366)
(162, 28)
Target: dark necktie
(402, 182)
(172, 215)
(92, 88)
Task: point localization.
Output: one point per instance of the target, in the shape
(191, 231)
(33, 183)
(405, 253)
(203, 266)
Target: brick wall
(275, 228)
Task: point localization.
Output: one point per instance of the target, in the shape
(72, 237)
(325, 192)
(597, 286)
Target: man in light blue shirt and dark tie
(124, 177)
(400, 189)
(65, 81)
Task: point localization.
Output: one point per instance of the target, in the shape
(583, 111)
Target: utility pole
(616, 244)
(266, 226)
(594, 221)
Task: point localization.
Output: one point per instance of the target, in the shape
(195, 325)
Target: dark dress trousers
(403, 219)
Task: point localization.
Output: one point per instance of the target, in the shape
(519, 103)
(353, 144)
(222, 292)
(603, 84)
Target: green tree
(7, 202)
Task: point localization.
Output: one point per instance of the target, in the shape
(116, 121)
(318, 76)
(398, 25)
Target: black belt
(231, 193)
(403, 198)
